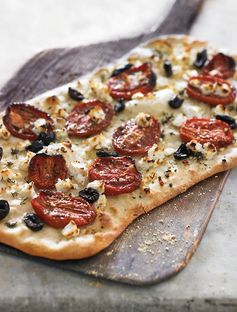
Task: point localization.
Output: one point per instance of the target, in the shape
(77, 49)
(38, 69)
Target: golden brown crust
(123, 208)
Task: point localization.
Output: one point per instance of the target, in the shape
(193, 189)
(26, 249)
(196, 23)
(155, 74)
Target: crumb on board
(161, 237)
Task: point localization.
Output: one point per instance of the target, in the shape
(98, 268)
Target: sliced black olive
(47, 138)
(118, 71)
(89, 194)
(1, 152)
(35, 146)
(4, 208)
(182, 152)
(153, 78)
(119, 106)
(176, 102)
(229, 120)
(168, 68)
(75, 95)
(201, 59)
(102, 153)
(33, 222)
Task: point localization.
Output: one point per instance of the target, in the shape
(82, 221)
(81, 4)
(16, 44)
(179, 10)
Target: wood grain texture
(162, 242)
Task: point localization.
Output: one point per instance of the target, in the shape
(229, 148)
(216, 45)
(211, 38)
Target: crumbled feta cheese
(190, 73)
(143, 52)
(27, 190)
(176, 69)
(24, 161)
(179, 52)
(70, 230)
(191, 110)
(54, 149)
(208, 150)
(143, 120)
(207, 88)
(99, 141)
(180, 85)
(219, 110)
(169, 151)
(179, 120)
(155, 154)
(97, 114)
(65, 185)
(162, 81)
(137, 95)
(163, 96)
(4, 133)
(39, 125)
(61, 134)
(97, 185)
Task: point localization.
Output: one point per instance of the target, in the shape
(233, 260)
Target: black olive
(33, 222)
(1, 152)
(4, 209)
(229, 120)
(47, 138)
(118, 71)
(75, 95)
(153, 78)
(176, 102)
(89, 194)
(182, 152)
(35, 146)
(168, 68)
(201, 59)
(119, 106)
(102, 153)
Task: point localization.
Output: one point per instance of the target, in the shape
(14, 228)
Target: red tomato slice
(82, 123)
(19, 118)
(44, 170)
(212, 98)
(58, 209)
(132, 139)
(205, 130)
(222, 65)
(119, 174)
(132, 80)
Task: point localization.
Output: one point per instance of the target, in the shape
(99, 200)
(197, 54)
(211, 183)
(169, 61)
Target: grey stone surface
(209, 283)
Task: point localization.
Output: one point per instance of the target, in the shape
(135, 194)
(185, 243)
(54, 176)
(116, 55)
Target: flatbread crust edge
(94, 243)
(75, 250)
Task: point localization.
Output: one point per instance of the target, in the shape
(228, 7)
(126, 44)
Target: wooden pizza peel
(160, 243)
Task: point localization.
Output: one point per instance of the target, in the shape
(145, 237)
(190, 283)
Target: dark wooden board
(162, 242)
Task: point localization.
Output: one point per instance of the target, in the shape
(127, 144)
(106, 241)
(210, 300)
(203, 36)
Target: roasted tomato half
(205, 130)
(220, 65)
(132, 80)
(89, 118)
(137, 135)
(58, 209)
(119, 174)
(19, 119)
(211, 90)
(44, 170)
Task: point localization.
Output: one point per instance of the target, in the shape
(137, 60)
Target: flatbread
(163, 177)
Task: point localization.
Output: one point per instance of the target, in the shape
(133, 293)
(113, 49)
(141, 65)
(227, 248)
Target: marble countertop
(209, 283)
